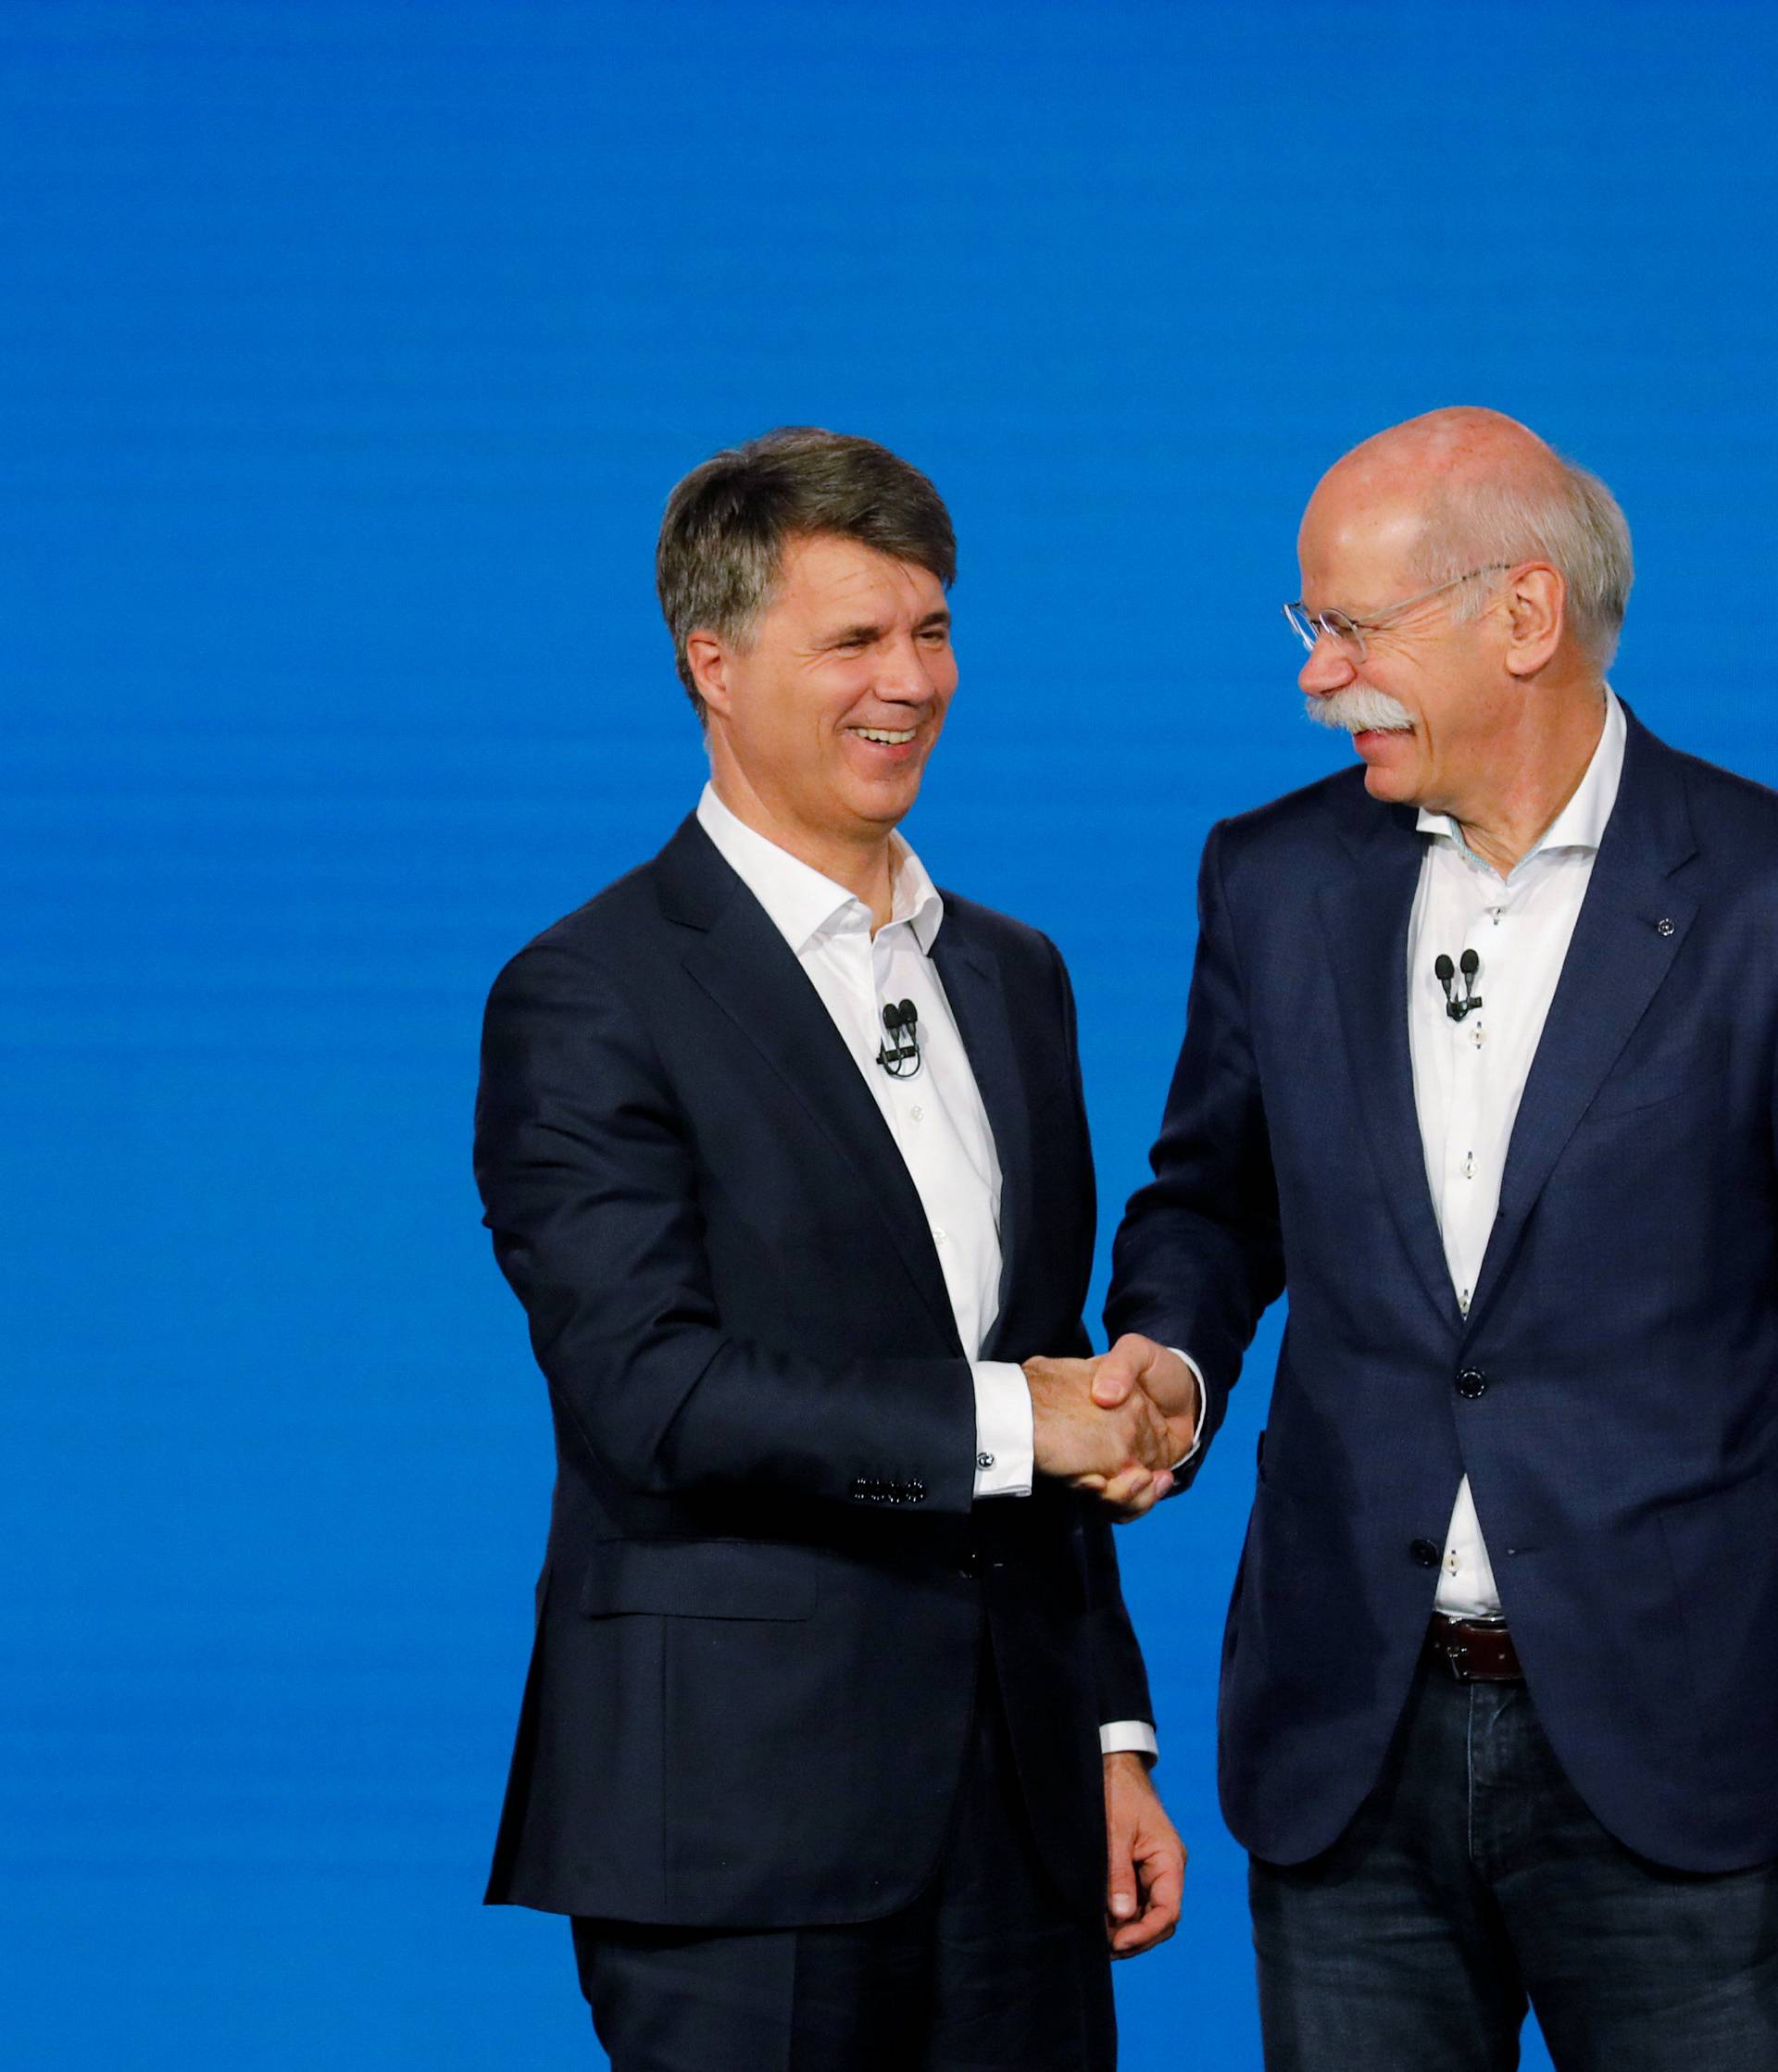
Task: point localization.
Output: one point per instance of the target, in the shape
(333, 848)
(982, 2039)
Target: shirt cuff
(1133, 1735)
(1203, 1404)
(1005, 1439)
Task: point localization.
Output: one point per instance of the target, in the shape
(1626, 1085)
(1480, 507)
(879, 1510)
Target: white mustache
(1360, 710)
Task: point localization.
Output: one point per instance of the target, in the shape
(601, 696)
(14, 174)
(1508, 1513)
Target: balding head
(1450, 448)
(1464, 489)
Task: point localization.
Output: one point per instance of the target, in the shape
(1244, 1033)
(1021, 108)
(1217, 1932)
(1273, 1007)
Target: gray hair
(723, 537)
(1571, 520)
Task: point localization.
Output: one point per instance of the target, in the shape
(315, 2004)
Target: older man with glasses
(1482, 1065)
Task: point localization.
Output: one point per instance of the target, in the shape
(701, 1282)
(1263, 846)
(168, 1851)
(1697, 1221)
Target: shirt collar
(1581, 823)
(799, 902)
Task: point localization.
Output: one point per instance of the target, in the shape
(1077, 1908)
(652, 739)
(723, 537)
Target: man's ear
(708, 658)
(1537, 610)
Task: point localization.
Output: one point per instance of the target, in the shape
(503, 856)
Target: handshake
(1115, 1426)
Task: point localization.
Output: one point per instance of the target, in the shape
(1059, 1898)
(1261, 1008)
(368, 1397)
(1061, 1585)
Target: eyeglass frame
(1309, 627)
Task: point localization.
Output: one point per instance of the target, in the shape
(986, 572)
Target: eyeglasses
(1347, 633)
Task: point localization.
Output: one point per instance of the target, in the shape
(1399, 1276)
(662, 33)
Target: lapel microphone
(1445, 971)
(900, 1055)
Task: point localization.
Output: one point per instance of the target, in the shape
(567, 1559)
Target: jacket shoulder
(615, 916)
(620, 930)
(1331, 810)
(1004, 938)
(1724, 802)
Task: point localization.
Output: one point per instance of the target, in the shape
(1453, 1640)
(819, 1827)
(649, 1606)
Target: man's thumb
(1120, 1372)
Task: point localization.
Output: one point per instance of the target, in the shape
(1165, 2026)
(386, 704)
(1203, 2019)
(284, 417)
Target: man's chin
(883, 803)
(1387, 755)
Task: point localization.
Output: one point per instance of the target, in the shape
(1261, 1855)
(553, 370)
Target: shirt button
(917, 1114)
(938, 1237)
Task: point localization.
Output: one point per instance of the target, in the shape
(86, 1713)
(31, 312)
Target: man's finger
(1122, 1832)
(1121, 1900)
(1119, 1373)
(1162, 1886)
(1139, 1937)
(1143, 1500)
(1124, 1488)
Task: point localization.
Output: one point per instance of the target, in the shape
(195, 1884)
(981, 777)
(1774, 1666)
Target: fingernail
(1123, 1906)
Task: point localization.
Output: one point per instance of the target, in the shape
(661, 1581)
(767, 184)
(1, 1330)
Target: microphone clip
(900, 1055)
(1446, 972)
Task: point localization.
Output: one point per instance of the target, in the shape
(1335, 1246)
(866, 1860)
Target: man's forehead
(827, 572)
(1357, 537)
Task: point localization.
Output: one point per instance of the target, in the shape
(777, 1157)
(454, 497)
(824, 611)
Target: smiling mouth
(894, 736)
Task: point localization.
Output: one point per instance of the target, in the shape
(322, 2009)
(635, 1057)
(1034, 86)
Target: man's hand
(1138, 1363)
(1144, 1860)
(1137, 1366)
(1117, 1452)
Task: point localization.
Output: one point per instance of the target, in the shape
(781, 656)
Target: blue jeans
(1473, 1880)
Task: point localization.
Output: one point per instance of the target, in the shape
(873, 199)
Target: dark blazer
(765, 1593)
(1612, 1394)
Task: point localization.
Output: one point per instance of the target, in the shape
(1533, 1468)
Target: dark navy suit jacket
(1618, 1422)
(767, 1588)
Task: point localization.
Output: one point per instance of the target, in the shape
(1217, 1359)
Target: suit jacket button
(1471, 1383)
(1426, 1553)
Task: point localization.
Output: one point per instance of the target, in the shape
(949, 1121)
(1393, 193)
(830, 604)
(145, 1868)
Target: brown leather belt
(1473, 1650)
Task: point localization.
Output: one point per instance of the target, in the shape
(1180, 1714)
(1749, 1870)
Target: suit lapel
(745, 966)
(1630, 926)
(1367, 914)
(978, 1001)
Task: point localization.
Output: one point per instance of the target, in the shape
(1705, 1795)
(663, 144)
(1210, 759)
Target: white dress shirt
(936, 1116)
(1470, 1075)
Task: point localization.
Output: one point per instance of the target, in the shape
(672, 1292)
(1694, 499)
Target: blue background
(347, 355)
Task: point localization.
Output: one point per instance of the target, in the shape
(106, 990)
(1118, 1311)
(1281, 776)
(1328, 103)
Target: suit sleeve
(1122, 1676)
(1199, 1254)
(589, 1180)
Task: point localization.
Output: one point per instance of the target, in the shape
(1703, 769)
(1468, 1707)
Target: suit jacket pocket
(1651, 1082)
(699, 1579)
(1632, 1093)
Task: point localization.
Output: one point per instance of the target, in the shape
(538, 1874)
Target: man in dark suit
(834, 1707)
(1480, 1063)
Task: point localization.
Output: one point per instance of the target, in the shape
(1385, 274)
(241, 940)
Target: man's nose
(1326, 668)
(905, 673)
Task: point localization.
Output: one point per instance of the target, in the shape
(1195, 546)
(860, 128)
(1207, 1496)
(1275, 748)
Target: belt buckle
(1453, 1651)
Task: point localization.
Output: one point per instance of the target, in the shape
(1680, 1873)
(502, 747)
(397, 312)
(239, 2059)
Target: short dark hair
(723, 537)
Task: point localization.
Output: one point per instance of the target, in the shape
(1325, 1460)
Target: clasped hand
(1115, 1426)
